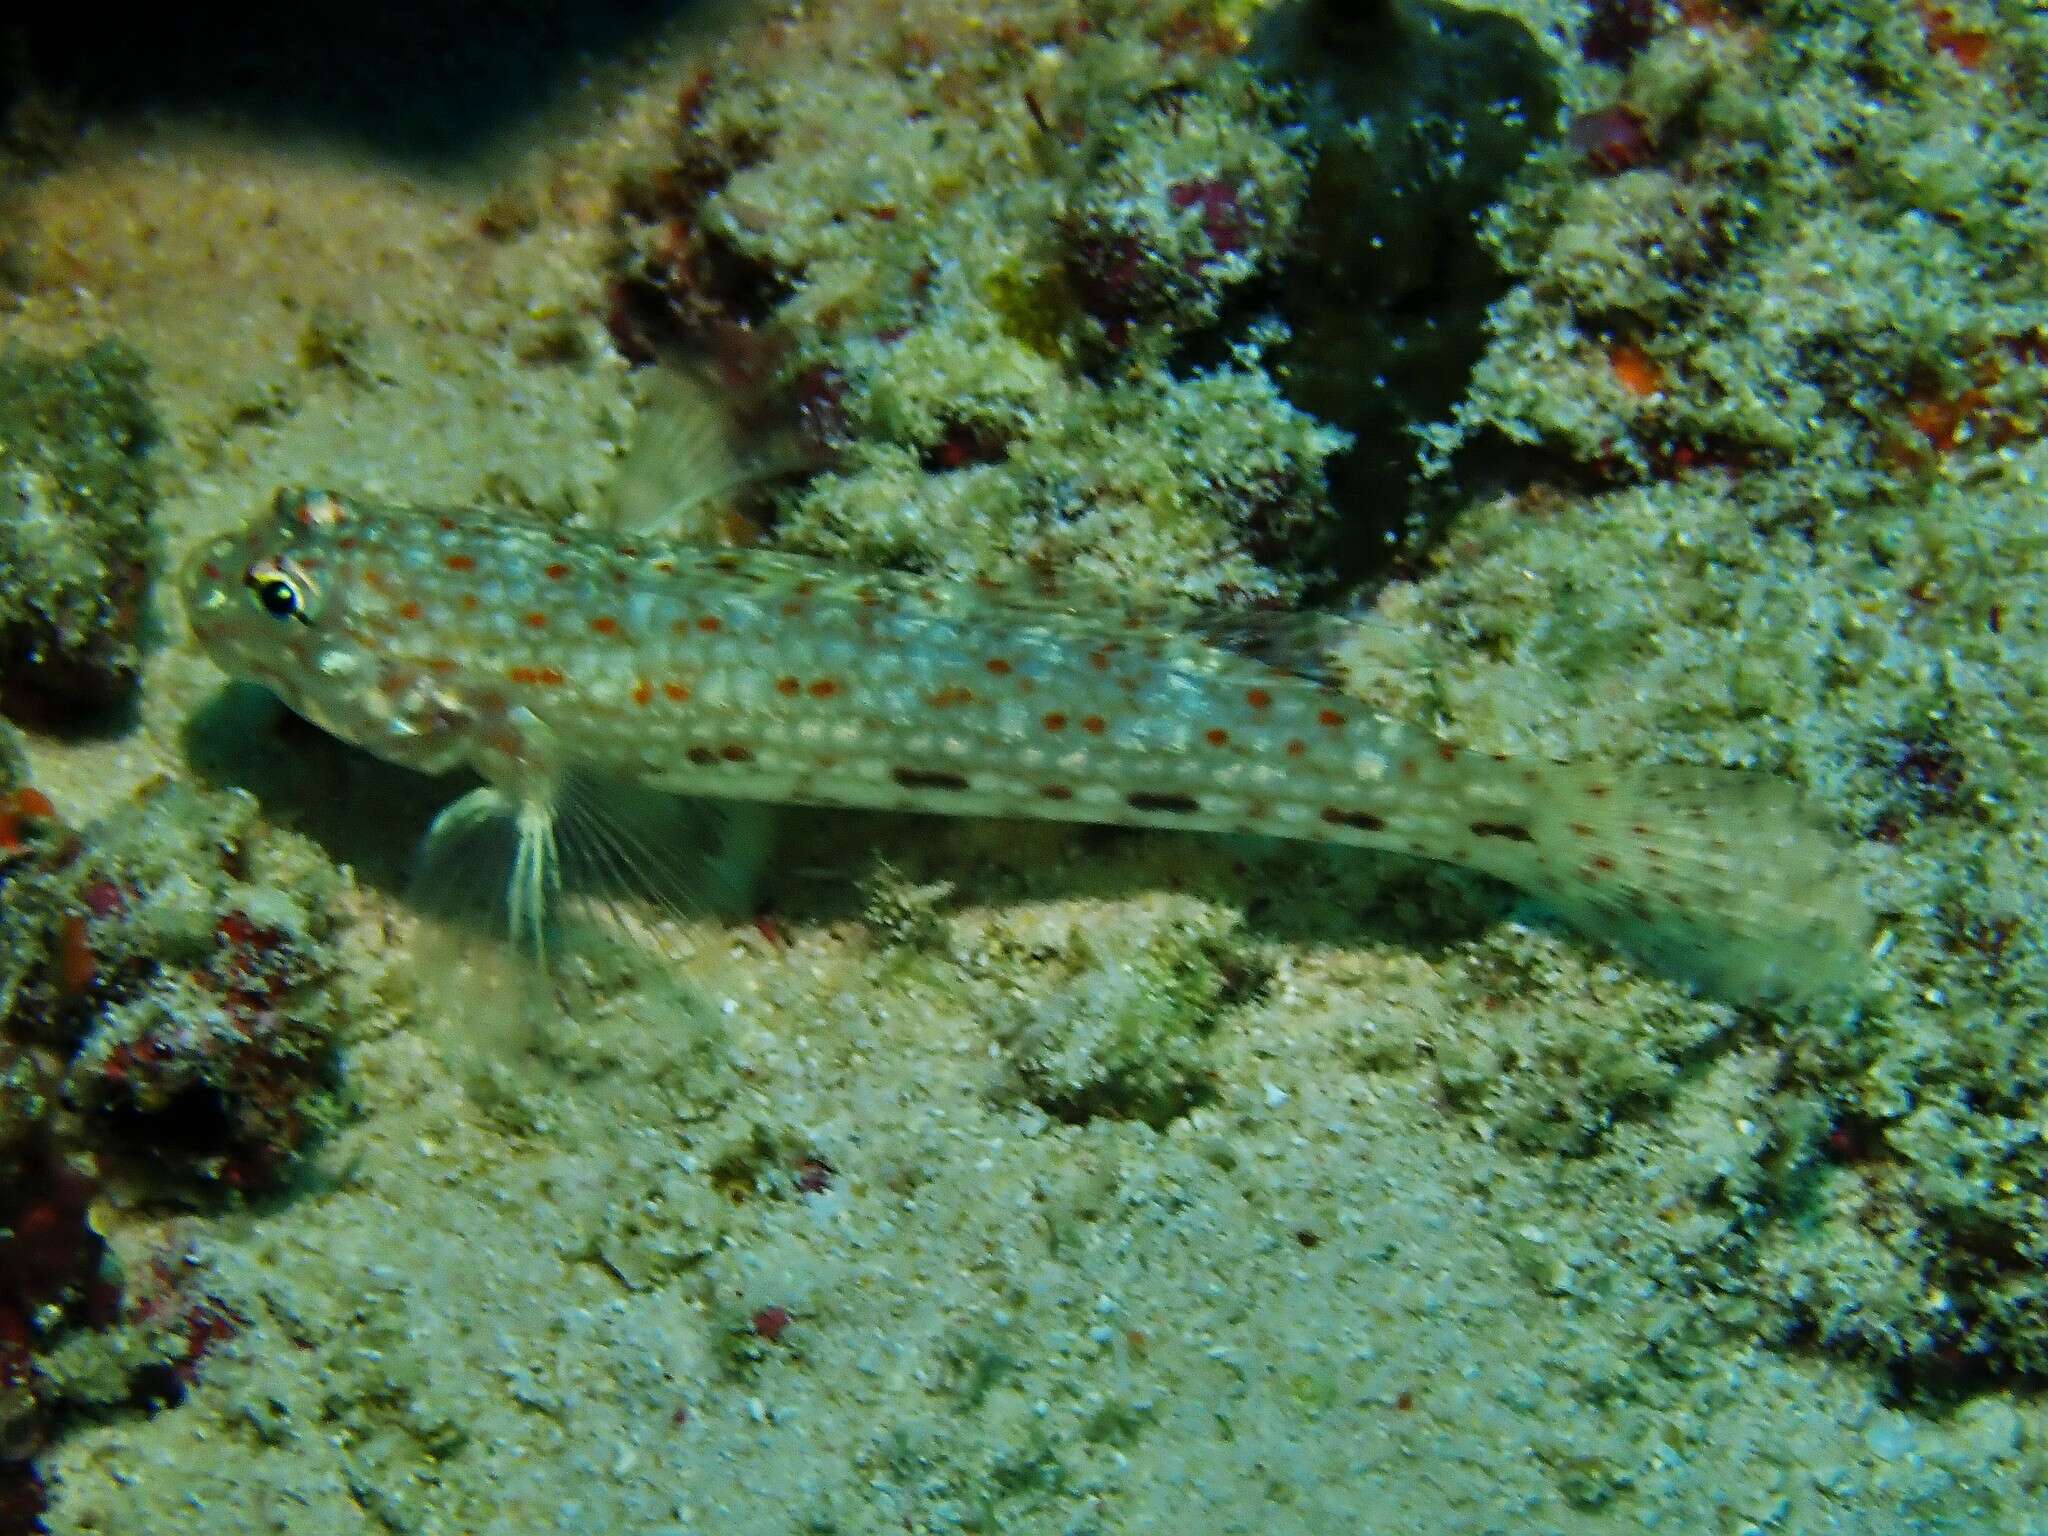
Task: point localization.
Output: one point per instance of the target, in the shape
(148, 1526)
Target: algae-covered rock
(1416, 115)
(175, 965)
(194, 984)
(171, 999)
(76, 494)
(1105, 295)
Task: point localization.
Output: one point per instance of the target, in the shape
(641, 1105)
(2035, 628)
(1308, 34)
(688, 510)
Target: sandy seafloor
(517, 1290)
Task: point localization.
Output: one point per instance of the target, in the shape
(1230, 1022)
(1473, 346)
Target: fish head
(294, 602)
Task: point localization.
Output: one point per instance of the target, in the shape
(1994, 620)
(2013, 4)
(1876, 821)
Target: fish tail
(1721, 877)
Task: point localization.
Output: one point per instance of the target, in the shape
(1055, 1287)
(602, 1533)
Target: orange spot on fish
(1331, 718)
(1258, 698)
(711, 624)
(946, 698)
(447, 524)
(605, 624)
(470, 602)
(1297, 748)
(461, 562)
(788, 687)
(1056, 792)
(643, 695)
(824, 688)
(733, 752)
(677, 692)
(1055, 721)
(409, 609)
(997, 666)
(1094, 725)
(536, 620)
(557, 571)
(1217, 737)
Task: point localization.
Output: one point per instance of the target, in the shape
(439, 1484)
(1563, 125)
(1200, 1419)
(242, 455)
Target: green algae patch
(76, 550)
(1122, 1033)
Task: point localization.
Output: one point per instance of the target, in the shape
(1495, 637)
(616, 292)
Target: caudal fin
(1721, 877)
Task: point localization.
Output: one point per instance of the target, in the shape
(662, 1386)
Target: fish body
(529, 653)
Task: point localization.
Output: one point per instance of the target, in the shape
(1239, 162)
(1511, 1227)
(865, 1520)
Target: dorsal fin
(1299, 642)
(685, 461)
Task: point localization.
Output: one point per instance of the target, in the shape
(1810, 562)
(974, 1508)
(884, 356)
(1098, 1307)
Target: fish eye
(279, 592)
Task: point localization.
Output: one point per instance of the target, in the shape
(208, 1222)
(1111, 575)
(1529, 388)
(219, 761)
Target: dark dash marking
(733, 752)
(1361, 821)
(703, 757)
(927, 778)
(1165, 804)
(1514, 832)
(1056, 792)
